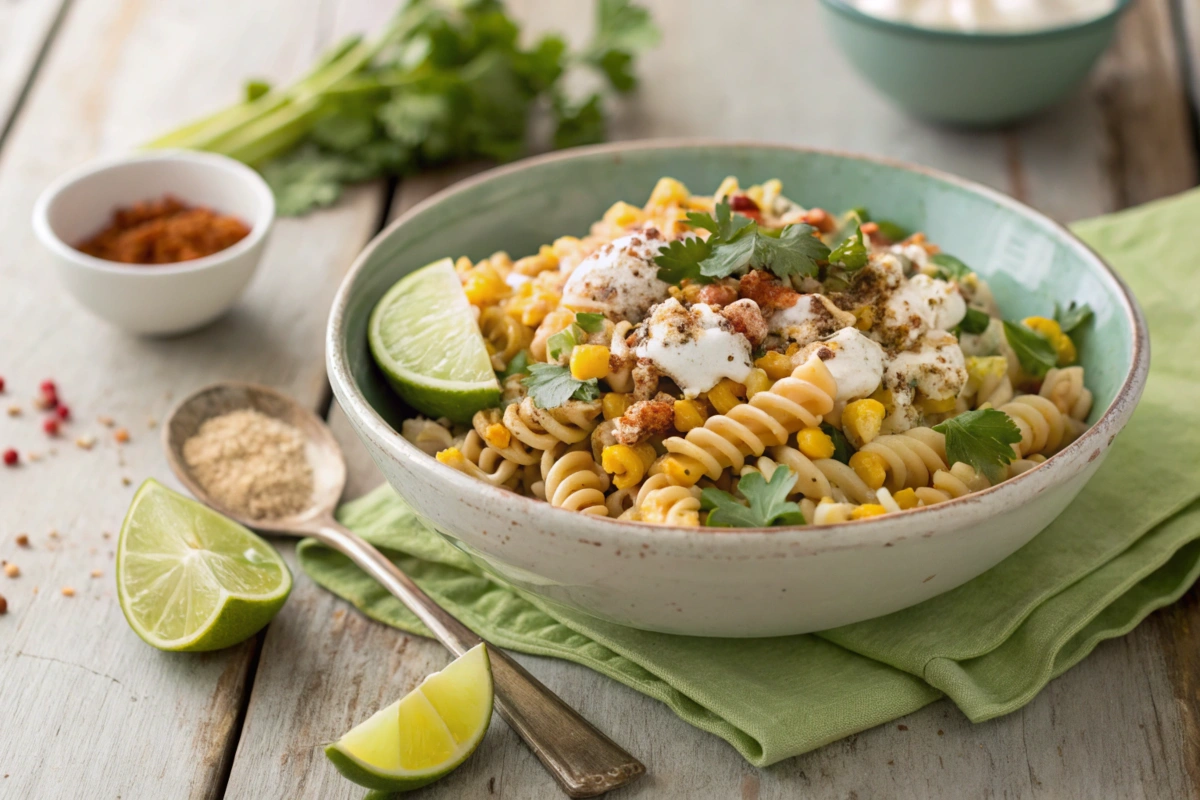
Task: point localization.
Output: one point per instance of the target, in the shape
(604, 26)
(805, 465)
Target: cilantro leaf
(1072, 316)
(727, 258)
(681, 259)
(767, 502)
(517, 365)
(563, 341)
(590, 323)
(975, 321)
(852, 253)
(949, 267)
(1035, 352)
(981, 439)
(795, 252)
(891, 231)
(842, 449)
(577, 125)
(551, 385)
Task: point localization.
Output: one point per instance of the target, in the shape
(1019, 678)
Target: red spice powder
(164, 231)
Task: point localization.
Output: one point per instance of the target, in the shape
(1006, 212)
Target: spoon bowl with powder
(260, 458)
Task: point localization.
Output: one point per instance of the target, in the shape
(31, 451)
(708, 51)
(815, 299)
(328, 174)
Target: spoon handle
(584, 761)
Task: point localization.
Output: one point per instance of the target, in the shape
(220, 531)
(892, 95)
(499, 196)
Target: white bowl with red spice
(170, 212)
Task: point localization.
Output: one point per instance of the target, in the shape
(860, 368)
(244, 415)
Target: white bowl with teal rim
(969, 78)
(723, 581)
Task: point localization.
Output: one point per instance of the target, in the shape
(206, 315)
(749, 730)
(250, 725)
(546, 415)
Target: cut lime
(191, 579)
(425, 734)
(424, 337)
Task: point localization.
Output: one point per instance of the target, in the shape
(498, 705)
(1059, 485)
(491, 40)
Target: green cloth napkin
(1128, 545)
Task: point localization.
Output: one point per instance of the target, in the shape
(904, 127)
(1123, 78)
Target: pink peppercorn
(11, 458)
(1, 384)
(48, 387)
(63, 412)
(50, 426)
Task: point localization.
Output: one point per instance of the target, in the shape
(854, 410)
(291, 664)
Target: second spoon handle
(584, 761)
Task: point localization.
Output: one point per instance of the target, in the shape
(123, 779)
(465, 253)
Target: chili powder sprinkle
(164, 231)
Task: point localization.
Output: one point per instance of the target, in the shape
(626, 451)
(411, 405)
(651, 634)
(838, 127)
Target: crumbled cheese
(620, 279)
(923, 304)
(811, 318)
(856, 363)
(696, 347)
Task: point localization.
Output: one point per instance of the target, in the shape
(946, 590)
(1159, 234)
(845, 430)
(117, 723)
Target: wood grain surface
(103, 715)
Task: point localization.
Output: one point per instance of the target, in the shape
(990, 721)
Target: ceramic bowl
(155, 299)
(965, 78)
(738, 582)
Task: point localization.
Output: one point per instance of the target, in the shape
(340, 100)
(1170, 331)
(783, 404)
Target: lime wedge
(425, 734)
(424, 337)
(191, 579)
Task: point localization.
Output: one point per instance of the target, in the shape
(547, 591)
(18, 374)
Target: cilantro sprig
(737, 243)
(852, 253)
(975, 321)
(551, 386)
(1035, 352)
(1072, 316)
(982, 439)
(766, 502)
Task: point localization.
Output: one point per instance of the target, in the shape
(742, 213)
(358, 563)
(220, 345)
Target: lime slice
(191, 579)
(425, 734)
(424, 336)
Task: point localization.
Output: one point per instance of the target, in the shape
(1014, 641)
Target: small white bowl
(155, 299)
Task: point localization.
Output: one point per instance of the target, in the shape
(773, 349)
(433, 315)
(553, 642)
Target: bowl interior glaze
(1029, 261)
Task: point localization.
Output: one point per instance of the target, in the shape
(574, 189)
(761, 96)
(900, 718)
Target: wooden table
(87, 710)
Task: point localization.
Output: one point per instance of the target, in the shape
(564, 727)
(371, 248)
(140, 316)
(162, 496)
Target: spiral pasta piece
(620, 379)
(426, 434)
(1064, 388)
(506, 335)
(910, 457)
(1043, 427)
(542, 428)
(959, 480)
(767, 419)
(661, 501)
(501, 439)
(478, 460)
(571, 479)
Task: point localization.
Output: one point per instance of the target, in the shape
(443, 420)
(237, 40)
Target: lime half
(424, 336)
(191, 579)
(425, 734)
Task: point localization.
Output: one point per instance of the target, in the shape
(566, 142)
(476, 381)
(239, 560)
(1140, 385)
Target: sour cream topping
(696, 347)
(812, 317)
(620, 280)
(935, 368)
(856, 363)
(922, 304)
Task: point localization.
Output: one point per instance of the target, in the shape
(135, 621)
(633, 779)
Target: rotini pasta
(630, 392)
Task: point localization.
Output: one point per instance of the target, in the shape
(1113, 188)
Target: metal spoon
(582, 759)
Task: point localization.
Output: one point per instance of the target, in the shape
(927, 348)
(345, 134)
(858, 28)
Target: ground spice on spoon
(251, 463)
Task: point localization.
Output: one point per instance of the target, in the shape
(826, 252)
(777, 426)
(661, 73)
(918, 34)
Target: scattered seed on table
(22, 540)
(125, 480)
(85, 442)
(151, 423)
(53, 534)
(106, 535)
(105, 420)
(12, 570)
(32, 456)
(97, 573)
(1, 384)
(14, 411)
(68, 591)
(63, 412)
(11, 458)
(50, 426)
(3, 610)
(121, 435)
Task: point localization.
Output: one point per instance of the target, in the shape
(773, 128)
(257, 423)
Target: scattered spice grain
(22, 540)
(12, 570)
(14, 411)
(251, 463)
(3, 610)
(121, 435)
(85, 442)
(68, 591)
(105, 420)
(96, 573)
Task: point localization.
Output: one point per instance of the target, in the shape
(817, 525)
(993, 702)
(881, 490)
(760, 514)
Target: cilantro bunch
(446, 81)
(766, 502)
(737, 243)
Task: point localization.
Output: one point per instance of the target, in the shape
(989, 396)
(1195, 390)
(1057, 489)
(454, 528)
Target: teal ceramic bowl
(738, 582)
(969, 79)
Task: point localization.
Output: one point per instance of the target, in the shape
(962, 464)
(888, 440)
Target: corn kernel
(861, 421)
(589, 361)
(776, 365)
(622, 215)
(906, 499)
(624, 464)
(725, 395)
(870, 467)
(496, 435)
(755, 193)
(688, 415)
(728, 186)
(691, 293)
(666, 192)
(646, 453)
(1066, 350)
(614, 404)
(1053, 332)
(868, 510)
(484, 285)
(462, 264)
(864, 317)
(451, 457)
(815, 443)
(757, 381)
(682, 470)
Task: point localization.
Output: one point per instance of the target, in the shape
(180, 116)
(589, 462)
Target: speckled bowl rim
(834, 536)
(998, 37)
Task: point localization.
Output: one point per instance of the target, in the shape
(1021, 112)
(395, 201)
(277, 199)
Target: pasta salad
(737, 359)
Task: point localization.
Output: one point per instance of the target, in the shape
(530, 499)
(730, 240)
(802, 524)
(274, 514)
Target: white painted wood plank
(25, 26)
(1107, 728)
(100, 713)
